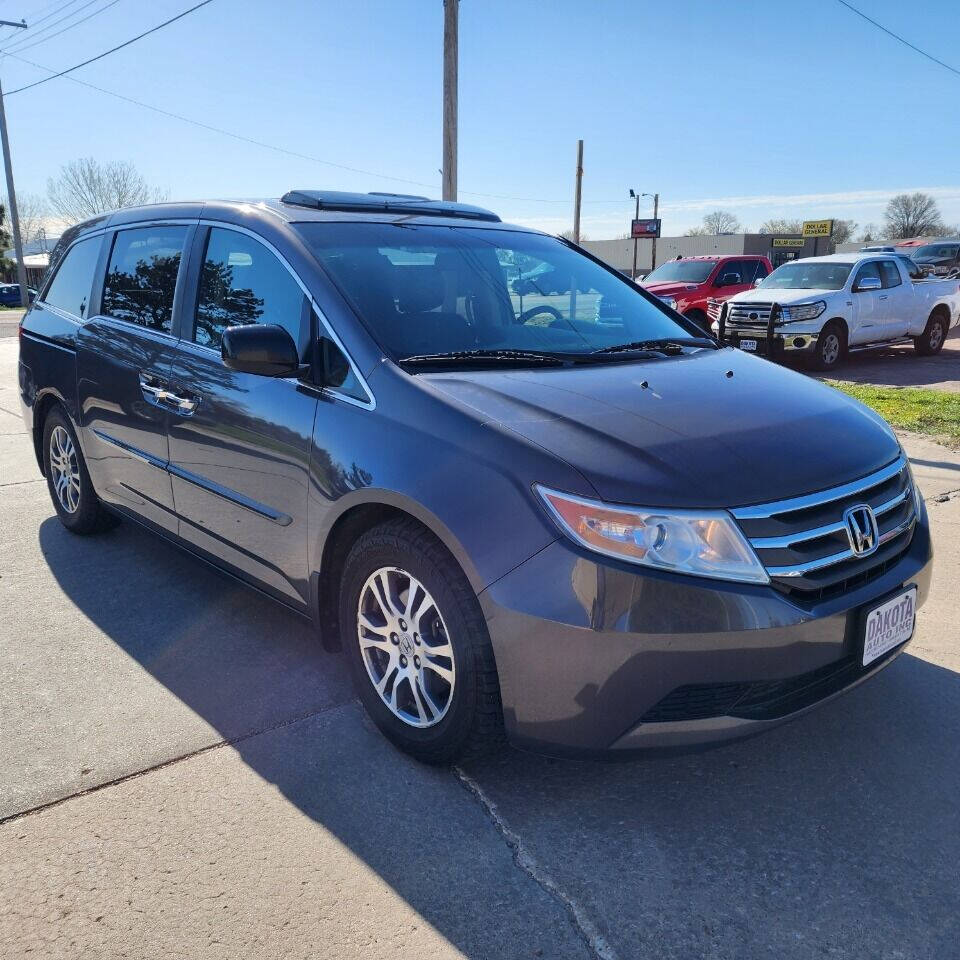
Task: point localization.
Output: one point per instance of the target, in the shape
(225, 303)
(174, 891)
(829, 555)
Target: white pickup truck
(822, 307)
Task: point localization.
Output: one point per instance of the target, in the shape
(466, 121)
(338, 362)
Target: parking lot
(187, 774)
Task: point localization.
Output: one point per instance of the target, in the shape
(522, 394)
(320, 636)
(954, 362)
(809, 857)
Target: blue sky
(763, 108)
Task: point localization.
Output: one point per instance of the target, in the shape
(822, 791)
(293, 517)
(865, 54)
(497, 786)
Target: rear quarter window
(73, 281)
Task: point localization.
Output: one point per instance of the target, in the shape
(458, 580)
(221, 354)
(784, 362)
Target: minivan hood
(710, 429)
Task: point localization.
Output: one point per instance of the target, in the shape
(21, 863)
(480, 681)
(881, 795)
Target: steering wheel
(543, 308)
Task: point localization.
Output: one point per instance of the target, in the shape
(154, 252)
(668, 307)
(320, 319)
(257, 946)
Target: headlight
(804, 311)
(917, 495)
(705, 543)
(669, 301)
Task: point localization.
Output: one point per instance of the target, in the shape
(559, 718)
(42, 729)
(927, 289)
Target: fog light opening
(798, 342)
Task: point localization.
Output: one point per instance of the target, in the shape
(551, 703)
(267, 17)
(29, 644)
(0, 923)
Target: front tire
(931, 341)
(700, 318)
(831, 347)
(77, 504)
(418, 645)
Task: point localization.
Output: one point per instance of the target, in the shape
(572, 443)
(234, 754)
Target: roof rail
(384, 203)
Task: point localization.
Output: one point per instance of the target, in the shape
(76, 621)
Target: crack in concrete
(944, 497)
(123, 778)
(525, 860)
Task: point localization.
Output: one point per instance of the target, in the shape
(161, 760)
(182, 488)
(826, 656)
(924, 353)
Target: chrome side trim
(254, 506)
(763, 510)
(369, 404)
(134, 452)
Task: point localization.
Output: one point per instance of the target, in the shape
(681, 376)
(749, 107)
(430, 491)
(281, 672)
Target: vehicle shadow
(245, 664)
(838, 834)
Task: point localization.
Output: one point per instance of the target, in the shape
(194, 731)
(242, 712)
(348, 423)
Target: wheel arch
(42, 405)
(362, 513)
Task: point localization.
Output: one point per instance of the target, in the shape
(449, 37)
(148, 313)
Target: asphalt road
(187, 774)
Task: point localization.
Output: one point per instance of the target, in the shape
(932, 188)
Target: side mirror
(867, 283)
(266, 350)
(758, 281)
(730, 280)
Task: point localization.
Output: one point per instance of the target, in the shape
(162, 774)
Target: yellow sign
(787, 242)
(817, 228)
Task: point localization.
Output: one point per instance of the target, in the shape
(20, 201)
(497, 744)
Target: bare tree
(781, 225)
(86, 187)
(843, 230)
(568, 235)
(868, 233)
(720, 221)
(912, 215)
(33, 212)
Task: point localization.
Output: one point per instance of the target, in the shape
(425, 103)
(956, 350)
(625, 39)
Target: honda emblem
(862, 529)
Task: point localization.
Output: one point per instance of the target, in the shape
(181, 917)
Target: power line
(38, 38)
(53, 13)
(34, 38)
(107, 53)
(897, 37)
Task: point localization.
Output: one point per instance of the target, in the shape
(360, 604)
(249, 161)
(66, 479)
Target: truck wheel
(700, 319)
(831, 346)
(77, 504)
(418, 645)
(932, 339)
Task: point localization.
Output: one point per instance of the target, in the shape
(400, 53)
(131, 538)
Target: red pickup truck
(688, 283)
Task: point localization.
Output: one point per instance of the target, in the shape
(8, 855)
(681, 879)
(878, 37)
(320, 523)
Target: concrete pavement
(204, 785)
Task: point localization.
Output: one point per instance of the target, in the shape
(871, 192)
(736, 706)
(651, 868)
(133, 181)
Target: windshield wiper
(664, 345)
(489, 356)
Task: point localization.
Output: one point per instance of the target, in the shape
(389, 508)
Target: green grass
(930, 412)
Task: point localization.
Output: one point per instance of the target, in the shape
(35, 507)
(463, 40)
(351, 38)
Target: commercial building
(779, 248)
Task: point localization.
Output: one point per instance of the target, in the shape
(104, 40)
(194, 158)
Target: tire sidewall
(835, 330)
(371, 553)
(934, 323)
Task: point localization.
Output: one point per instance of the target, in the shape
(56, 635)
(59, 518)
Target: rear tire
(931, 341)
(831, 347)
(77, 504)
(418, 645)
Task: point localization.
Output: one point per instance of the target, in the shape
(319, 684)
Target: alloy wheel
(831, 349)
(64, 469)
(936, 337)
(405, 647)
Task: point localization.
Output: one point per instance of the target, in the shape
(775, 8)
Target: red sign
(645, 228)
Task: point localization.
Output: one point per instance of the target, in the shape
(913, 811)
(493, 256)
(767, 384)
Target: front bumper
(589, 650)
(771, 346)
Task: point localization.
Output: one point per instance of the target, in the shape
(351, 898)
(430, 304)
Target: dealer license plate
(750, 345)
(889, 625)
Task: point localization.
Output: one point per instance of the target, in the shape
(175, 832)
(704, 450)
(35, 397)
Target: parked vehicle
(821, 307)
(689, 284)
(10, 295)
(510, 523)
(941, 258)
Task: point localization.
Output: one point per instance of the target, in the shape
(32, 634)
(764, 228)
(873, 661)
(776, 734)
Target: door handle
(185, 406)
(151, 389)
(885, 297)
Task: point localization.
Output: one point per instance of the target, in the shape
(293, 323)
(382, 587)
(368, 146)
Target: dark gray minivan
(522, 495)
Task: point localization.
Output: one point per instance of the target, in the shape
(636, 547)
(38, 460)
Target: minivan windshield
(681, 271)
(801, 275)
(424, 290)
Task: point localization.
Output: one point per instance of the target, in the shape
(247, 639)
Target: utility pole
(636, 240)
(653, 249)
(578, 192)
(451, 9)
(11, 193)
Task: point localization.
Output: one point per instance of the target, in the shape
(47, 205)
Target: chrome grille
(804, 544)
(751, 316)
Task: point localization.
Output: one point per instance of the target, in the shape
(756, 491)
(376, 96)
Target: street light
(653, 250)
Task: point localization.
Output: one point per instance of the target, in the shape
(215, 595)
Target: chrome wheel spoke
(444, 672)
(64, 469)
(417, 701)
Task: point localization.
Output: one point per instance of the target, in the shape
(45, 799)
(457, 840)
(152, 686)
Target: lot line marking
(529, 864)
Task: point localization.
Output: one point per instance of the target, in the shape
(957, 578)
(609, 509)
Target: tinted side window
(338, 373)
(142, 276)
(243, 282)
(871, 269)
(732, 266)
(761, 270)
(890, 274)
(73, 281)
